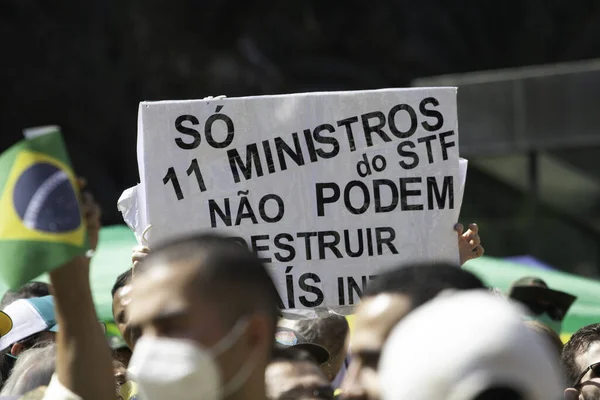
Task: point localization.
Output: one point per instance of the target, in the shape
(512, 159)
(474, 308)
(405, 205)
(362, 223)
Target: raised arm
(83, 363)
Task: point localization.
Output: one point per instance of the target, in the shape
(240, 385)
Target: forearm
(84, 363)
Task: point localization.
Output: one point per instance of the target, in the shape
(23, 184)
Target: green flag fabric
(501, 274)
(112, 257)
(41, 226)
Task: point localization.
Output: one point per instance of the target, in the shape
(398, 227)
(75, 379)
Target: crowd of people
(199, 319)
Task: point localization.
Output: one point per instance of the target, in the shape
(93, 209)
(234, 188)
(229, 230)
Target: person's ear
(16, 349)
(571, 394)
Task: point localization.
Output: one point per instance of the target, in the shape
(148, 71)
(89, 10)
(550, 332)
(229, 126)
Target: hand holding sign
(138, 255)
(41, 226)
(469, 243)
(328, 189)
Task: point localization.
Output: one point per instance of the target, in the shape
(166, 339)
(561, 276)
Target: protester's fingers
(92, 214)
(479, 251)
(459, 228)
(86, 201)
(475, 241)
(470, 234)
(137, 256)
(90, 209)
(141, 249)
(474, 228)
(94, 219)
(89, 206)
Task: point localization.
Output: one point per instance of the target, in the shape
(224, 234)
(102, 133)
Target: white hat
(26, 317)
(456, 346)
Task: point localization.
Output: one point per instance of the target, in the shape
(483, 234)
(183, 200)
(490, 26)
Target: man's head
(387, 300)
(206, 292)
(120, 351)
(467, 345)
(293, 374)
(27, 291)
(580, 353)
(27, 322)
(330, 332)
(545, 305)
(34, 368)
(121, 295)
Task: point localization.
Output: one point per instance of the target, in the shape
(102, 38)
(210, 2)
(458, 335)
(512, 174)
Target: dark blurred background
(532, 136)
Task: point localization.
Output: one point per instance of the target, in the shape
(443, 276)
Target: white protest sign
(327, 188)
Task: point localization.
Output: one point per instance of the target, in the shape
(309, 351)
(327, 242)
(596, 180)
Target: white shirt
(57, 391)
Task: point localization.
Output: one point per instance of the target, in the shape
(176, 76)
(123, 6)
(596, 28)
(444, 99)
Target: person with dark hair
(120, 351)
(388, 298)
(293, 374)
(422, 282)
(27, 291)
(121, 281)
(208, 310)
(581, 364)
(330, 332)
(484, 351)
(121, 292)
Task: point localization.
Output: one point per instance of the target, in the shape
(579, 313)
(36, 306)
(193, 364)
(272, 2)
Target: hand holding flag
(41, 223)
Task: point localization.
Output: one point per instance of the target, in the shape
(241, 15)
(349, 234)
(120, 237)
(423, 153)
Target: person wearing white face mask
(207, 309)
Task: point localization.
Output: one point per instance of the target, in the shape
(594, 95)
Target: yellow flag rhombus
(37, 185)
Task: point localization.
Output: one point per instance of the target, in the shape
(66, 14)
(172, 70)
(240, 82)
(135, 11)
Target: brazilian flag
(41, 226)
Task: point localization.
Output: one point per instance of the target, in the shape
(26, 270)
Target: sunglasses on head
(595, 368)
(554, 312)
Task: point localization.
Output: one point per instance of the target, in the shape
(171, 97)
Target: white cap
(26, 317)
(455, 347)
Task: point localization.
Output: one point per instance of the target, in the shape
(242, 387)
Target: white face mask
(177, 369)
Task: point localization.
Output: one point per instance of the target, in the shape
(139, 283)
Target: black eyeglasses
(595, 368)
(554, 312)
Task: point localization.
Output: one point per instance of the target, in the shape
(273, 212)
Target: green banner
(501, 274)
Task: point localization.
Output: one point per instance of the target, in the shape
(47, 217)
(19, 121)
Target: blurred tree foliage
(85, 65)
